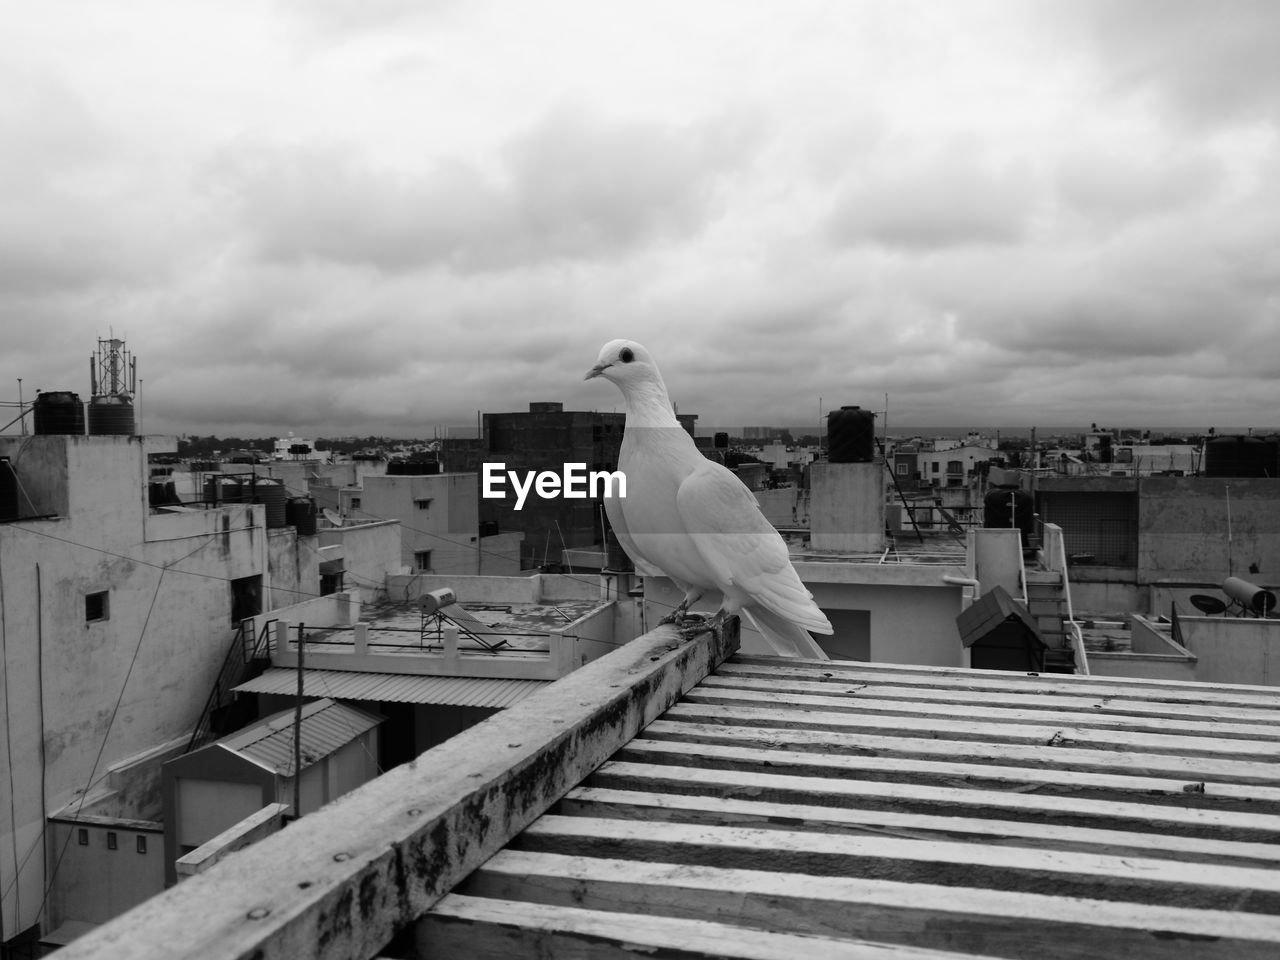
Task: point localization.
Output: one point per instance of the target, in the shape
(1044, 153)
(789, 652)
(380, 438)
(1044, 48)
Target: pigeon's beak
(595, 371)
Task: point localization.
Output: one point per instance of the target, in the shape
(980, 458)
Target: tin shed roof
(326, 727)
(495, 692)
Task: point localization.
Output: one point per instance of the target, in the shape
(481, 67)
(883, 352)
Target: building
(115, 620)
(439, 514)
(546, 438)
(953, 467)
(1142, 543)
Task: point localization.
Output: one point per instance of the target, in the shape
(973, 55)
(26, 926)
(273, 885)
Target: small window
(423, 504)
(142, 844)
(422, 561)
(111, 840)
(82, 837)
(902, 469)
(96, 606)
(355, 503)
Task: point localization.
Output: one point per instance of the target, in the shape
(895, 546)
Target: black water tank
(218, 490)
(1005, 507)
(1239, 456)
(162, 493)
(851, 435)
(300, 512)
(720, 441)
(615, 558)
(110, 417)
(273, 495)
(59, 412)
(8, 492)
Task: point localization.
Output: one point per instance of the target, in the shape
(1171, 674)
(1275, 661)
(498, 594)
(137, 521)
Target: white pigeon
(692, 520)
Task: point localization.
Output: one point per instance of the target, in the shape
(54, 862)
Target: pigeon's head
(624, 362)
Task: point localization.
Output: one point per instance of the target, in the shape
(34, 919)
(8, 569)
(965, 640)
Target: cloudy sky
(355, 216)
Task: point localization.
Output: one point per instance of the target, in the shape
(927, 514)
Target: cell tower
(113, 371)
(113, 375)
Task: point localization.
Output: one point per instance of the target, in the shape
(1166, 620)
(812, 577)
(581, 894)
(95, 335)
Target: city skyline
(378, 217)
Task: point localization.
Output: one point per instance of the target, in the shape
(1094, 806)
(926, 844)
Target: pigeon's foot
(695, 624)
(677, 615)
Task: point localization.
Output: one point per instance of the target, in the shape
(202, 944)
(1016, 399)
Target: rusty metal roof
(326, 727)
(396, 687)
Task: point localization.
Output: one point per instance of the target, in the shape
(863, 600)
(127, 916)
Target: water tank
(59, 412)
(110, 417)
(300, 512)
(412, 468)
(8, 492)
(851, 435)
(616, 558)
(219, 490)
(1239, 456)
(1005, 507)
(721, 441)
(162, 493)
(274, 496)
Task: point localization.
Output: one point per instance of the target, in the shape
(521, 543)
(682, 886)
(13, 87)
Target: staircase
(246, 658)
(1047, 604)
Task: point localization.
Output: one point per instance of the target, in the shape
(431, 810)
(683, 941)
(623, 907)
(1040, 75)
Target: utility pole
(297, 735)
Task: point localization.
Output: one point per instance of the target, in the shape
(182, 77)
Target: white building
(115, 619)
(439, 517)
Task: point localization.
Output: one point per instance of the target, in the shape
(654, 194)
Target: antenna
(113, 371)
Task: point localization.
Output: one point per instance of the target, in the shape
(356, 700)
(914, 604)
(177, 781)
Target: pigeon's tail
(785, 637)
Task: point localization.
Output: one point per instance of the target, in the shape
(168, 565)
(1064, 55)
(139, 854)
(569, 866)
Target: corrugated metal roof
(326, 727)
(396, 687)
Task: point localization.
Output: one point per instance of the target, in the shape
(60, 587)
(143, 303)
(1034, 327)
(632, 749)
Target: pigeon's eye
(626, 356)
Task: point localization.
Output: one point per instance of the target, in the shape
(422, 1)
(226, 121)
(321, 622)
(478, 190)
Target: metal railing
(244, 649)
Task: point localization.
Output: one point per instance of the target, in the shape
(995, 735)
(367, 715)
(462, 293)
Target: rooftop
(400, 628)
(675, 799)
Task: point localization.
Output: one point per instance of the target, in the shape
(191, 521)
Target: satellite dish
(332, 516)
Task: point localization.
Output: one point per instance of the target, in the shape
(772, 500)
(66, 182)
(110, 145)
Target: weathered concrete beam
(342, 881)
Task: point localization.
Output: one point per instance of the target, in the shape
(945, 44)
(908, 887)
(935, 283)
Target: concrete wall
(782, 506)
(370, 552)
(1153, 654)
(294, 565)
(1107, 590)
(908, 612)
(846, 507)
(96, 883)
(1234, 650)
(1182, 528)
(500, 554)
(449, 527)
(82, 695)
(268, 820)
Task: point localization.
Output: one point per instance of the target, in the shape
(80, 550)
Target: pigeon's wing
(741, 548)
(613, 510)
